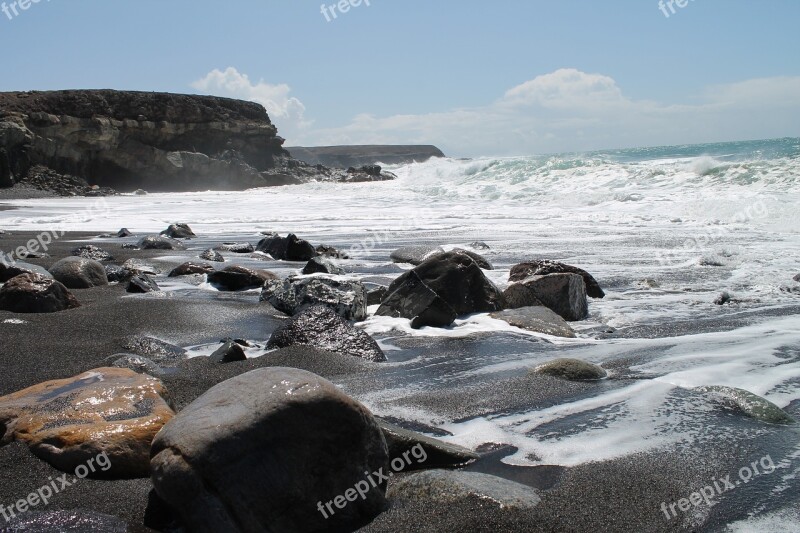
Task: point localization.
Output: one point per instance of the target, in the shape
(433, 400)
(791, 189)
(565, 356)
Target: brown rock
(68, 422)
(33, 293)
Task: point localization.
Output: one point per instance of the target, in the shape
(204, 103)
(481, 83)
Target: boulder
(518, 295)
(748, 403)
(124, 232)
(544, 267)
(321, 327)
(72, 521)
(14, 269)
(178, 231)
(212, 255)
(288, 248)
(141, 284)
(116, 273)
(434, 453)
(92, 252)
(238, 278)
(376, 296)
(157, 350)
(229, 352)
(446, 286)
(536, 319)
(187, 269)
(293, 295)
(571, 370)
(137, 266)
(415, 255)
(452, 486)
(272, 450)
(322, 265)
(158, 242)
(79, 273)
(563, 293)
(33, 293)
(113, 412)
(236, 247)
(723, 298)
(479, 259)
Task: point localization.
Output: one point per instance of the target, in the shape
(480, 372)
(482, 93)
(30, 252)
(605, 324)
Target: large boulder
(415, 255)
(293, 295)
(113, 412)
(273, 450)
(563, 293)
(536, 319)
(544, 267)
(444, 287)
(159, 242)
(79, 273)
(321, 327)
(178, 231)
(288, 248)
(239, 278)
(33, 293)
(518, 295)
(13, 269)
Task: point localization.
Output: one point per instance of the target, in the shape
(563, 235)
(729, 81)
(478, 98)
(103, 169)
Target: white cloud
(287, 112)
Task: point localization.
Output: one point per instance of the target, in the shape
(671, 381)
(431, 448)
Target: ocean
(664, 230)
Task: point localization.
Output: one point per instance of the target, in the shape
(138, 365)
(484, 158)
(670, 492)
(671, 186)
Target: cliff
(137, 140)
(355, 156)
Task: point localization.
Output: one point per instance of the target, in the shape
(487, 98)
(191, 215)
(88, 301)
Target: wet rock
(79, 273)
(748, 403)
(236, 247)
(415, 255)
(322, 265)
(178, 231)
(321, 327)
(157, 350)
(571, 370)
(12, 270)
(124, 232)
(288, 248)
(451, 486)
(518, 295)
(444, 287)
(479, 259)
(33, 293)
(137, 363)
(110, 411)
(330, 251)
(308, 442)
(435, 453)
(537, 319)
(796, 278)
(723, 298)
(229, 352)
(72, 521)
(479, 245)
(348, 299)
(92, 252)
(376, 296)
(129, 246)
(137, 266)
(187, 269)
(158, 242)
(142, 284)
(544, 267)
(563, 293)
(238, 278)
(212, 255)
(140, 192)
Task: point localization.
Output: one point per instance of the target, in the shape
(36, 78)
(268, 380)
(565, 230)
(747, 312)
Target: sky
(500, 77)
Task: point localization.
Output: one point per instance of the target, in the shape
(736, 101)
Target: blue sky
(474, 77)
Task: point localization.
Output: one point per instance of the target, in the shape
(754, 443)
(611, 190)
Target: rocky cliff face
(137, 140)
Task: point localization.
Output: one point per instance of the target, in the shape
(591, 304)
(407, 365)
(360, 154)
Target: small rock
(141, 284)
(129, 246)
(113, 412)
(305, 439)
(796, 278)
(137, 363)
(321, 327)
(544, 267)
(157, 350)
(92, 252)
(138, 266)
(723, 298)
(571, 370)
(158, 242)
(288, 248)
(330, 251)
(124, 232)
(322, 265)
(140, 192)
(479, 245)
(33, 293)
(537, 319)
(434, 453)
(750, 404)
(415, 255)
(229, 353)
(212, 255)
(236, 247)
(238, 278)
(291, 296)
(79, 273)
(648, 284)
(187, 269)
